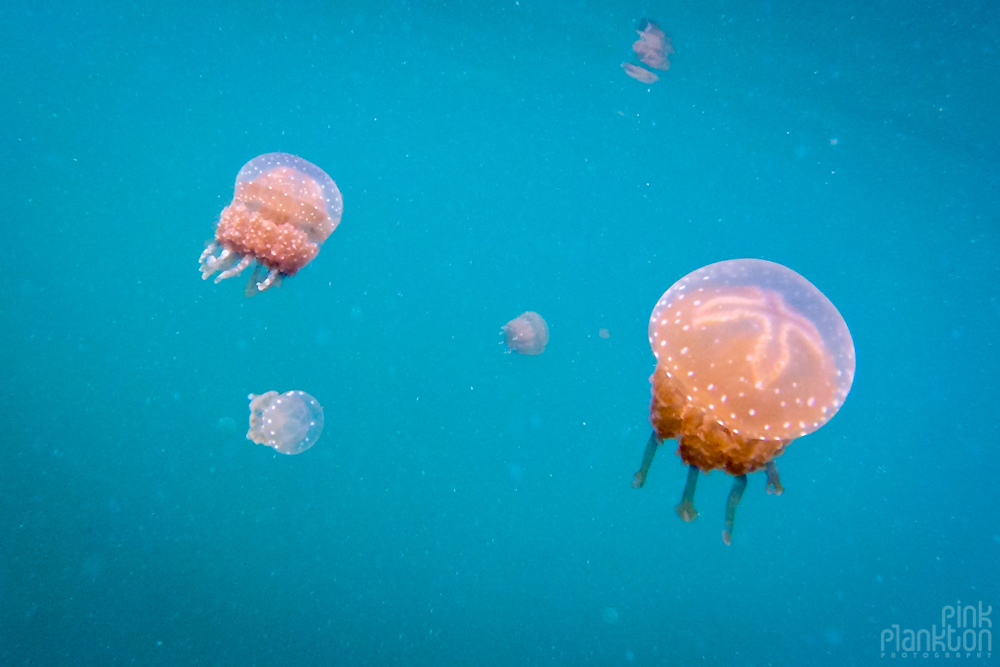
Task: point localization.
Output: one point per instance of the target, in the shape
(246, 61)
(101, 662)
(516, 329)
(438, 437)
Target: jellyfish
(640, 74)
(526, 334)
(283, 209)
(226, 425)
(653, 48)
(291, 422)
(749, 357)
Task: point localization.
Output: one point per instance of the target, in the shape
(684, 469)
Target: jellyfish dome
(283, 209)
(752, 347)
(291, 422)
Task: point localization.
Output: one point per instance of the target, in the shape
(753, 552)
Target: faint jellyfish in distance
(640, 74)
(604, 333)
(291, 422)
(653, 49)
(526, 334)
(283, 209)
(610, 615)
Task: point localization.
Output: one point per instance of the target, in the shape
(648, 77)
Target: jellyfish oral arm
(647, 459)
(210, 262)
(227, 262)
(735, 494)
(773, 485)
(685, 508)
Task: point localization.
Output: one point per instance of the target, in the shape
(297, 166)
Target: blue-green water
(464, 506)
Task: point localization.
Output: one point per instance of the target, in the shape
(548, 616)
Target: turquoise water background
(464, 506)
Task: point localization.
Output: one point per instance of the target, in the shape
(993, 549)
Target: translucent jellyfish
(291, 422)
(526, 334)
(226, 425)
(640, 74)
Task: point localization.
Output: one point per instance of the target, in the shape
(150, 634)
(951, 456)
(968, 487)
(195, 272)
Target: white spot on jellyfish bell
(291, 422)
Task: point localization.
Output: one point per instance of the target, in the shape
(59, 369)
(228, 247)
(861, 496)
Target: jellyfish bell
(283, 209)
(291, 422)
(759, 336)
(526, 334)
(749, 357)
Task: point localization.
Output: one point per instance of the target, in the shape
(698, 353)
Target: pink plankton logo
(966, 632)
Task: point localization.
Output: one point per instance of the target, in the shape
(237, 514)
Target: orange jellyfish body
(526, 334)
(283, 209)
(749, 356)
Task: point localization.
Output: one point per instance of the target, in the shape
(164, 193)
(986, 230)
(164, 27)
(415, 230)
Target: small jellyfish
(610, 615)
(291, 422)
(283, 209)
(226, 425)
(526, 334)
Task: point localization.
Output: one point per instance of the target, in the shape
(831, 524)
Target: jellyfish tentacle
(773, 480)
(235, 270)
(208, 252)
(685, 509)
(273, 279)
(210, 262)
(739, 485)
(647, 459)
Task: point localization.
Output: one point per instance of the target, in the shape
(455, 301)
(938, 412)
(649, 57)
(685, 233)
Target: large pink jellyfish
(750, 356)
(283, 209)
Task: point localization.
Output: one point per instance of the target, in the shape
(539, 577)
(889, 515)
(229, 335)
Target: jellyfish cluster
(749, 355)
